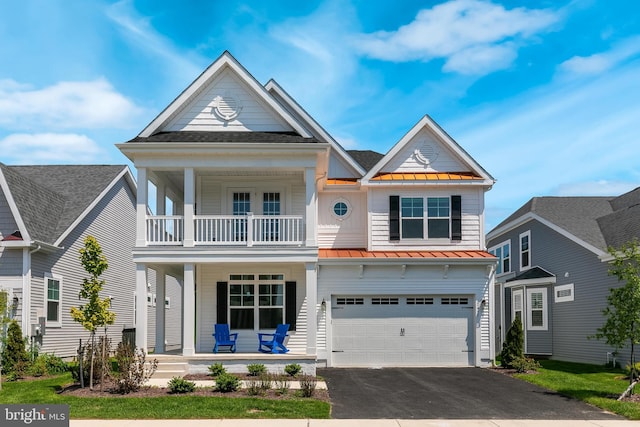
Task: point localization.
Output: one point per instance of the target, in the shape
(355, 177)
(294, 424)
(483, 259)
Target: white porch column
(188, 311)
(311, 212)
(189, 201)
(160, 309)
(312, 307)
(141, 210)
(141, 306)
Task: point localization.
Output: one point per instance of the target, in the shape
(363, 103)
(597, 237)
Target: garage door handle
(468, 351)
(337, 351)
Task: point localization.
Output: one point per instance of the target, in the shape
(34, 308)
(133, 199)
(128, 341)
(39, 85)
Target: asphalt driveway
(446, 393)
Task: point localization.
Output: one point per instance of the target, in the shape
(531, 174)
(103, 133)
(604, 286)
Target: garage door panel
(402, 334)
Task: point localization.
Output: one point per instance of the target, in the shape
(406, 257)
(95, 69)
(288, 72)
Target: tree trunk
(93, 351)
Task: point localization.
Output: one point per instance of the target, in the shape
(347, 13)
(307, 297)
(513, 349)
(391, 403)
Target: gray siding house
(553, 272)
(45, 214)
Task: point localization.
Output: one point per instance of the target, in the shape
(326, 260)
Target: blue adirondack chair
(274, 343)
(224, 338)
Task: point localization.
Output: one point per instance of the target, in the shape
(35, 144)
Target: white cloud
(451, 30)
(138, 29)
(92, 104)
(49, 148)
(603, 61)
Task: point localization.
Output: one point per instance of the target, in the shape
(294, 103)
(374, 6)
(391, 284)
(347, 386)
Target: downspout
(26, 288)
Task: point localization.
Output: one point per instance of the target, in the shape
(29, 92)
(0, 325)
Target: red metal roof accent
(363, 253)
(428, 176)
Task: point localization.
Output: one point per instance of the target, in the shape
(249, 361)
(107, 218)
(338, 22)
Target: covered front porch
(250, 296)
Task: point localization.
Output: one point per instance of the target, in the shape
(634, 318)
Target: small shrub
(226, 383)
(293, 369)
(179, 385)
(133, 369)
(256, 369)
(253, 387)
(55, 364)
(217, 369)
(635, 373)
(38, 368)
(307, 385)
(281, 384)
(524, 364)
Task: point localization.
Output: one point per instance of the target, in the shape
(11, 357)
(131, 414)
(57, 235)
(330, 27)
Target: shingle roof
(231, 137)
(532, 273)
(599, 221)
(366, 158)
(50, 198)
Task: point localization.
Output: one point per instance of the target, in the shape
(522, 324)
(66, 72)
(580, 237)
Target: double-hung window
(525, 250)
(256, 301)
(537, 309)
(438, 214)
(53, 293)
(503, 253)
(412, 217)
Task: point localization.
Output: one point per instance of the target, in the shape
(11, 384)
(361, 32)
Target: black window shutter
(290, 313)
(456, 217)
(221, 310)
(394, 217)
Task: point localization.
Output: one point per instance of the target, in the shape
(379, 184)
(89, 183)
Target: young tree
(95, 313)
(14, 352)
(622, 323)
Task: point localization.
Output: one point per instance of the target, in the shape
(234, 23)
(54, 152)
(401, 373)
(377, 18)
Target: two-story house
(553, 272)
(373, 260)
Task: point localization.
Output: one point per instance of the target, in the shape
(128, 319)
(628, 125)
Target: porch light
(15, 303)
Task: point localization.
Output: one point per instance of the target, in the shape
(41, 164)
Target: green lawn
(183, 406)
(594, 384)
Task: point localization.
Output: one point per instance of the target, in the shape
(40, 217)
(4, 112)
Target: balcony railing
(230, 230)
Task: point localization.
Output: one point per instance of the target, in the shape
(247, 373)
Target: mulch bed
(109, 391)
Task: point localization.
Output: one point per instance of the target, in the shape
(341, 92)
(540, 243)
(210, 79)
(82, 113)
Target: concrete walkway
(354, 423)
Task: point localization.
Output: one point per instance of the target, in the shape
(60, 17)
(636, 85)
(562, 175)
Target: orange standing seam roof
(426, 176)
(362, 253)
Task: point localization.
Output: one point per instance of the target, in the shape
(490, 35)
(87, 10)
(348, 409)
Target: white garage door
(402, 331)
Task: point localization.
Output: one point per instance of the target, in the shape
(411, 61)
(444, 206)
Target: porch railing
(245, 230)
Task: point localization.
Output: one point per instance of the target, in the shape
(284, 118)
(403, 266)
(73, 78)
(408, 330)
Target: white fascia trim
(130, 180)
(429, 123)
(227, 255)
(14, 208)
(225, 60)
(529, 216)
(531, 282)
(272, 85)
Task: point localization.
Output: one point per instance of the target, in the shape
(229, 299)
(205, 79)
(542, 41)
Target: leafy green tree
(95, 313)
(513, 346)
(622, 324)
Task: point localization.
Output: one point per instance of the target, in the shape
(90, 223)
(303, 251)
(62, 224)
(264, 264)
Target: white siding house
(372, 259)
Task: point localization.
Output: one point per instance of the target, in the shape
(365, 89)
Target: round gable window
(341, 209)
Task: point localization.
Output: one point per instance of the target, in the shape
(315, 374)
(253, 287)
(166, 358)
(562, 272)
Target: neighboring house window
(516, 304)
(53, 291)
(256, 301)
(563, 293)
(525, 250)
(412, 217)
(503, 253)
(537, 309)
(438, 214)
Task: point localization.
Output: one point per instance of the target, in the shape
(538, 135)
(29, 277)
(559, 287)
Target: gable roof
(225, 137)
(224, 61)
(594, 222)
(47, 201)
(428, 123)
(301, 114)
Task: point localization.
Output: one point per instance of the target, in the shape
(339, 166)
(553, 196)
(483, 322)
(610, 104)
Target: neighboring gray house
(553, 272)
(45, 214)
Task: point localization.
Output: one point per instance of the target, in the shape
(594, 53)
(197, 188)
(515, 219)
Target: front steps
(168, 370)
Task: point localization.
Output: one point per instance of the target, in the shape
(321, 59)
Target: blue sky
(546, 96)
